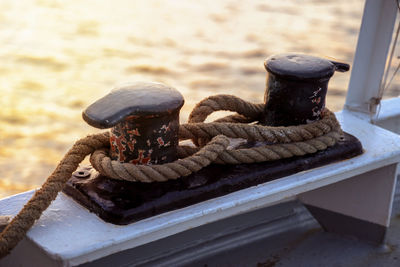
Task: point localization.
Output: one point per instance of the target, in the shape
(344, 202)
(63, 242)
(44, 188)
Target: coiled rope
(281, 142)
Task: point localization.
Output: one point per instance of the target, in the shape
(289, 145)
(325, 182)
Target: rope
(159, 173)
(225, 102)
(270, 152)
(285, 142)
(259, 132)
(16, 230)
(281, 142)
(246, 112)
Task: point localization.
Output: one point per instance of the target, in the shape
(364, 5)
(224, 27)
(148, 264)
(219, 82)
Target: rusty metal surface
(145, 121)
(296, 88)
(145, 140)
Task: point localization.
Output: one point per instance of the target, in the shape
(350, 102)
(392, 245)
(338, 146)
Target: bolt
(81, 173)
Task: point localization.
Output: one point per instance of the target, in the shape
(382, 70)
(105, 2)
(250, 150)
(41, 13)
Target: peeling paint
(141, 159)
(145, 139)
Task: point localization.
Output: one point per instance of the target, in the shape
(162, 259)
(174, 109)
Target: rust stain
(134, 132)
(141, 159)
(132, 145)
(316, 100)
(118, 146)
(166, 128)
(132, 117)
(160, 141)
(269, 262)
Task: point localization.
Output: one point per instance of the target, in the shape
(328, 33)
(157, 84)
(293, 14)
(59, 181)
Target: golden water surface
(57, 57)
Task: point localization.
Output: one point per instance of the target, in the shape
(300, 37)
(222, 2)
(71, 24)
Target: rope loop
(159, 173)
(279, 142)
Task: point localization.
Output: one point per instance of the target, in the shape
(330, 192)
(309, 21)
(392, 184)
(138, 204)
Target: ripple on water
(148, 69)
(31, 85)
(88, 28)
(211, 66)
(45, 62)
(57, 58)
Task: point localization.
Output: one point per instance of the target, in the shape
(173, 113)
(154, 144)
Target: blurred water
(57, 57)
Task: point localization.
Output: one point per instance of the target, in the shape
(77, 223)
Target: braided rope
(225, 102)
(23, 221)
(195, 158)
(269, 152)
(277, 151)
(159, 173)
(260, 132)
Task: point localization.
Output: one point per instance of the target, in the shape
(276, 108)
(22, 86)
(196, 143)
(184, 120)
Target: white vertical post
(370, 59)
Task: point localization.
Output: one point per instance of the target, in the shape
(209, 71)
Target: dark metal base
(346, 225)
(121, 202)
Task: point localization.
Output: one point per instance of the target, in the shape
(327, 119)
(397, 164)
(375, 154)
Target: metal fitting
(145, 122)
(296, 88)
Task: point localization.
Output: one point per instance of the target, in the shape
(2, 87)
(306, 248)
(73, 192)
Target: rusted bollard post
(296, 88)
(145, 121)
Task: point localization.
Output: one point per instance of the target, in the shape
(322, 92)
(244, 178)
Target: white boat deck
(69, 235)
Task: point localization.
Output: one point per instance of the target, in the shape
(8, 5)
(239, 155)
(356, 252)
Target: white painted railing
(371, 53)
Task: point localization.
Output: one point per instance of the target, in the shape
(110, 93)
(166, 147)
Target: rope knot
(212, 142)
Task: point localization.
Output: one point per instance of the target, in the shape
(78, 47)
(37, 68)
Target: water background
(57, 57)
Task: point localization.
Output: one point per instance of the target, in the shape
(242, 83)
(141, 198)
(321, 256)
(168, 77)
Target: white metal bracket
(371, 53)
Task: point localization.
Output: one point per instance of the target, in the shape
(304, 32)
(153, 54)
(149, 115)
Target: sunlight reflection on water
(60, 56)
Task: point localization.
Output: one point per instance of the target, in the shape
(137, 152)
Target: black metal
(134, 99)
(296, 88)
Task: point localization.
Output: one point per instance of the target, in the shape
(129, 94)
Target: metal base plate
(121, 202)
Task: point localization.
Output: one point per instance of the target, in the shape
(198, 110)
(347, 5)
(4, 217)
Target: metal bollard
(145, 121)
(296, 87)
